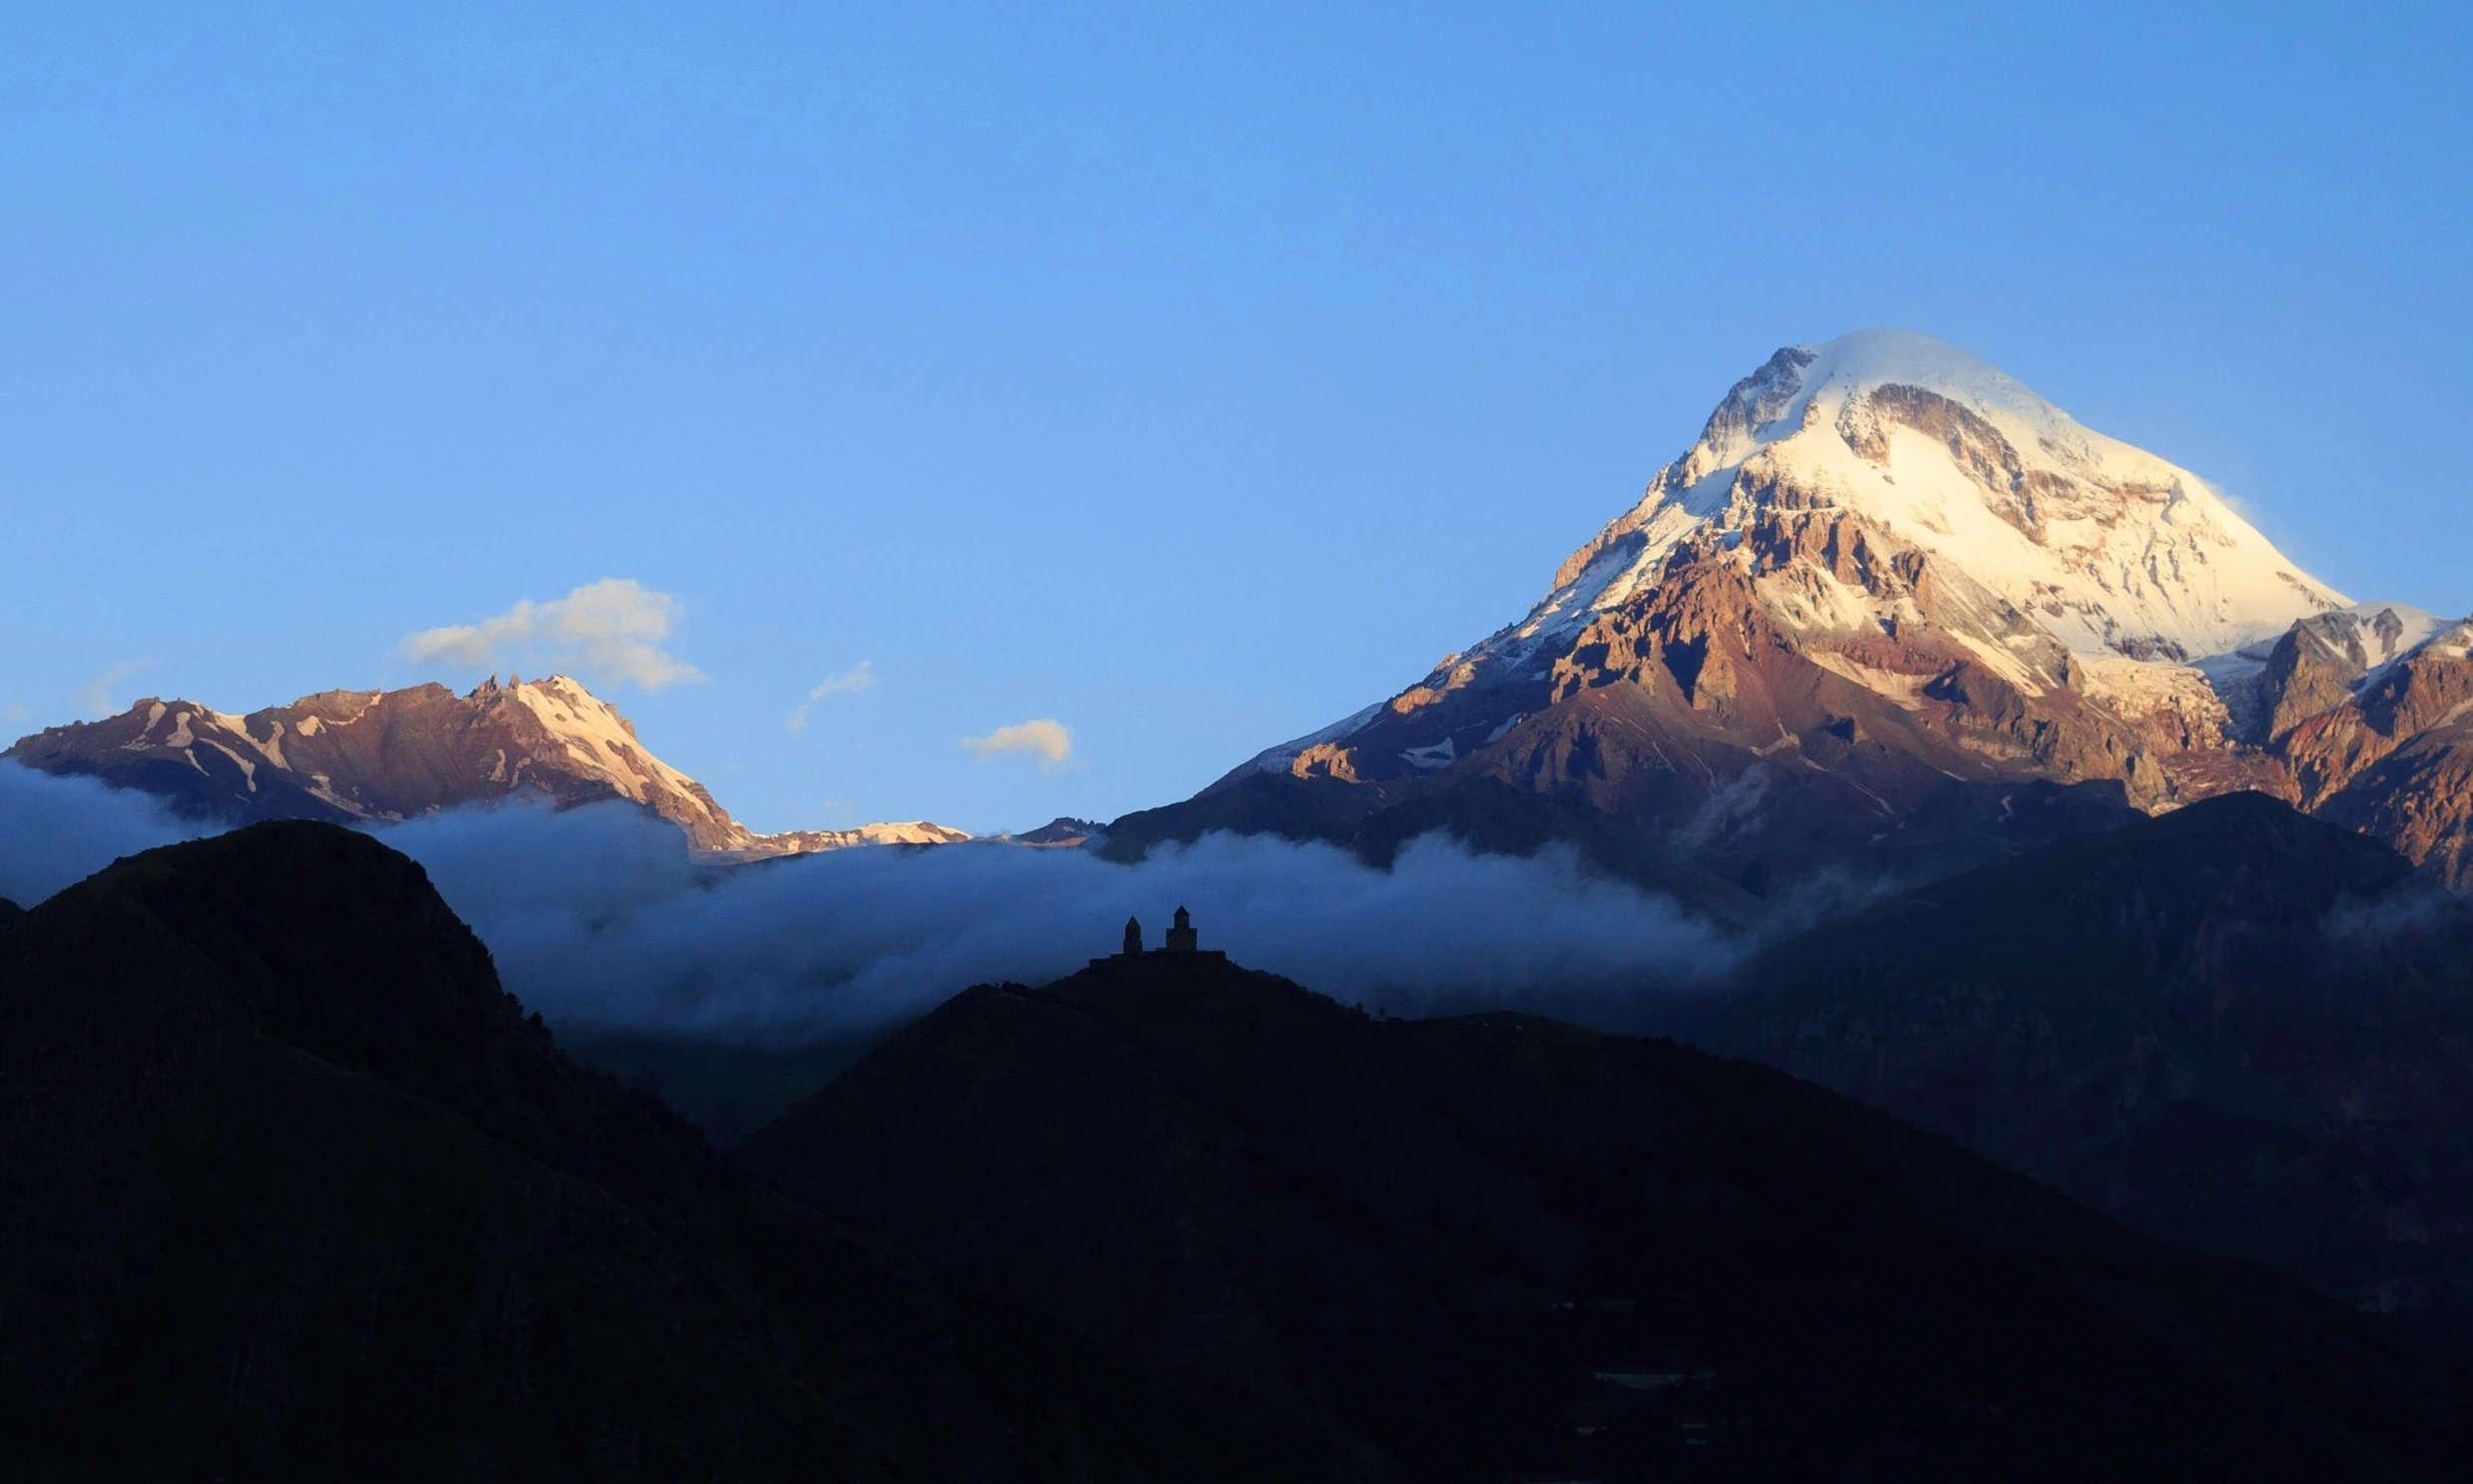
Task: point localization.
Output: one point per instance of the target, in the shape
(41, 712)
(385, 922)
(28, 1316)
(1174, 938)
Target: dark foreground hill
(290, 1188)
(2234, 1027)
(1497, 1246)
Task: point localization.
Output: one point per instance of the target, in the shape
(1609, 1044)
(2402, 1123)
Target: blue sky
(1186, 379)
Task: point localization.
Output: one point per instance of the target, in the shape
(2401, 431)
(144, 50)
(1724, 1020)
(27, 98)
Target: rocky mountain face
(2395, 758)
(1887, 586)
(346, 755)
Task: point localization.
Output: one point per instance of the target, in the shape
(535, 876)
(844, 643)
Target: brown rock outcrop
(347, 756)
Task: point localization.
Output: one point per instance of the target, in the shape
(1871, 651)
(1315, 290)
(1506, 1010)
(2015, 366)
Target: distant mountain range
(1891, 613)
(1885, 588)
(347, 756)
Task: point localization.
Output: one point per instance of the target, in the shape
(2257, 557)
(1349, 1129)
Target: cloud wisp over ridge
(858, 677)
(614, 630)
(1045, 737)
(93, 699)
(57, 831)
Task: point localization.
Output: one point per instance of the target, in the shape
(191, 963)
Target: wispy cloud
(611, 630)
(93, 699)
(860, 677)
(1043, 735)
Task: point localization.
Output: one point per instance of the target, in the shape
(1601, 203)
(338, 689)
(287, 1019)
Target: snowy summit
(2111, 549)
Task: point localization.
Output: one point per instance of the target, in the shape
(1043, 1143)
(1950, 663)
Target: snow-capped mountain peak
(1771, 402)
(2111, 549)
(2004, 589)
(1894, 608)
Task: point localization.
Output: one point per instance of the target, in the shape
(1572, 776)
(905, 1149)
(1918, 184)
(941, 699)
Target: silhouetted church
(1182, 938)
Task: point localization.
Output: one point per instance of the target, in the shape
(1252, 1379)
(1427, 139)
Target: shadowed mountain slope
(1482, 814)
(1775, 841)
(2233, 1026)
(1499, 1247)
(289, 1187)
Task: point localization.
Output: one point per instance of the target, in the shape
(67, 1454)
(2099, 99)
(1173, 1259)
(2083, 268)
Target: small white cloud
(93, 699)
(861, 677)
(612, 629)
(1045, 736)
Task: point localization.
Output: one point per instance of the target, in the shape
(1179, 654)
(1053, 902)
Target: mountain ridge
(346, 757)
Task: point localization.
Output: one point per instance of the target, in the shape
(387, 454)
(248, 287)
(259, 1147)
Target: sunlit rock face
(346, 755)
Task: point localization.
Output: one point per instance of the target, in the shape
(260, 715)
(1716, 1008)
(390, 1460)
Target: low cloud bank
(2419, 908)
(597, 918)
(55, 832)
